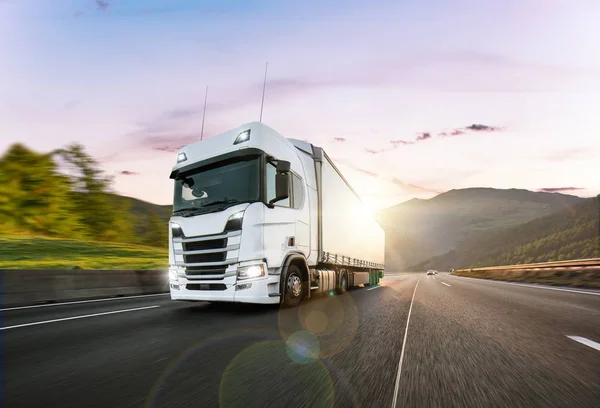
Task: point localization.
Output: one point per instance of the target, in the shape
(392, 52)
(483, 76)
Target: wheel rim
(344, 283)
(294, 285)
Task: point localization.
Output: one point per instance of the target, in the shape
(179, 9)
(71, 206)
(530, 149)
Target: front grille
(203, 270)
(210, 257)
(207, 257)
(206, 286)
(204, 245)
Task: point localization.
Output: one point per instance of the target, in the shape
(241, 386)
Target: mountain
(573, 233)
(418, 230)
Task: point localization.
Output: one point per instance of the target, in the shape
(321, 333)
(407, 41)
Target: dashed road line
(585, 341)
(77, 317)
(80, 301)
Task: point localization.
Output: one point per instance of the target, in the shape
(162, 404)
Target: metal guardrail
(576, 263)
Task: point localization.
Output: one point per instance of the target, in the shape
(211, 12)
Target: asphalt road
(469, 343)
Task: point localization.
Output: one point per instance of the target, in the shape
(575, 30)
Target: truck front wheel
(293, 287)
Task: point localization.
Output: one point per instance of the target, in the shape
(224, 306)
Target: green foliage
(35, 197)
(65, 194)
(57, 253)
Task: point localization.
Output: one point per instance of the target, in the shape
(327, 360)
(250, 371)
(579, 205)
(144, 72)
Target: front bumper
(229, 289)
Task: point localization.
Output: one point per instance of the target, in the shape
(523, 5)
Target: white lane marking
(444, 283)
(397, 386)
(585, 341)
(376, 287)
(531, 286)
(77, 317)
(433, 277)
(80, 301)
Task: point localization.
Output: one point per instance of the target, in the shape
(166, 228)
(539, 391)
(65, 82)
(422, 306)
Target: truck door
(279, 222)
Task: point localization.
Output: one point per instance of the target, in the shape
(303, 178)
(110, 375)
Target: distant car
(431, 272)
(451, 271)
(435, 272)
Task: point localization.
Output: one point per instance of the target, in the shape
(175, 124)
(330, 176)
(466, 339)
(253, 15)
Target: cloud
(423, 136)
(397, 143)
(559, 189)
(482, 128)
(473, 128)
(102, 5)
(339, 139)
(128, 173)
(169, 142)
(371, 151)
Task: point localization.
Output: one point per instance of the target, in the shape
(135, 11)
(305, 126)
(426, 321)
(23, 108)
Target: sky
(410, 98)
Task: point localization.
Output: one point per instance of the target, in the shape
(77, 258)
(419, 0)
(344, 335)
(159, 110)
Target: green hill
(573, 233)
(144, 213)
(418, 230)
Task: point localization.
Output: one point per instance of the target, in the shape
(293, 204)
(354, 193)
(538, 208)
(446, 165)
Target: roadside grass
(28, 252)
(573, 278)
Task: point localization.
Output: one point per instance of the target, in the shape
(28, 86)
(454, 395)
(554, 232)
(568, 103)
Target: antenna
(204, 113)
(263, 92)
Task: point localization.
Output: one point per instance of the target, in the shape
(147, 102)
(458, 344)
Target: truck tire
(293, 287)
(343, 288)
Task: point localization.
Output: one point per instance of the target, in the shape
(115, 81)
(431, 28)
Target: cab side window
(298, 191)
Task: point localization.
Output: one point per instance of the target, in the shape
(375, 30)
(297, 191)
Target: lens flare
(308, 383)
(191, 352)
(332, 318)
(302, 347)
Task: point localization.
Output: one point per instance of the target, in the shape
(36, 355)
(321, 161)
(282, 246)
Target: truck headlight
(252, 271)
(234, 223)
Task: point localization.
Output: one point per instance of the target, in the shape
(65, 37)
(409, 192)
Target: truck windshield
(218, 186)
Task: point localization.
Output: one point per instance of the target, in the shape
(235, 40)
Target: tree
(102, 218)
(34, 196)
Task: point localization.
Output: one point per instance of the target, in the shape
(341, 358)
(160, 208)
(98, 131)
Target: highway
(468, 343)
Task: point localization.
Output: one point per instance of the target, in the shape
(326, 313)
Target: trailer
(258, 218)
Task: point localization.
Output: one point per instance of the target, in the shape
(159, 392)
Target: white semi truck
(258, 218)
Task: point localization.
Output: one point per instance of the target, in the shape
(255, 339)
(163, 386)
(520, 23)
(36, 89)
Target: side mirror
(282, 182)
(282, 185)
(283, 166)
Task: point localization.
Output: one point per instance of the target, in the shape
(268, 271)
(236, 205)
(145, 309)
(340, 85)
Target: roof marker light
(242, 137)
(181, 157)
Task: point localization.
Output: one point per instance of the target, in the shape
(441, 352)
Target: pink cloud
(559, 189)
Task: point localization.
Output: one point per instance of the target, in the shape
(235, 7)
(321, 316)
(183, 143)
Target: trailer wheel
(293, 287)
(343, 283)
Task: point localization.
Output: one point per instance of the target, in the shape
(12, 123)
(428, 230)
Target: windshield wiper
(184, 210)
(232, 201)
